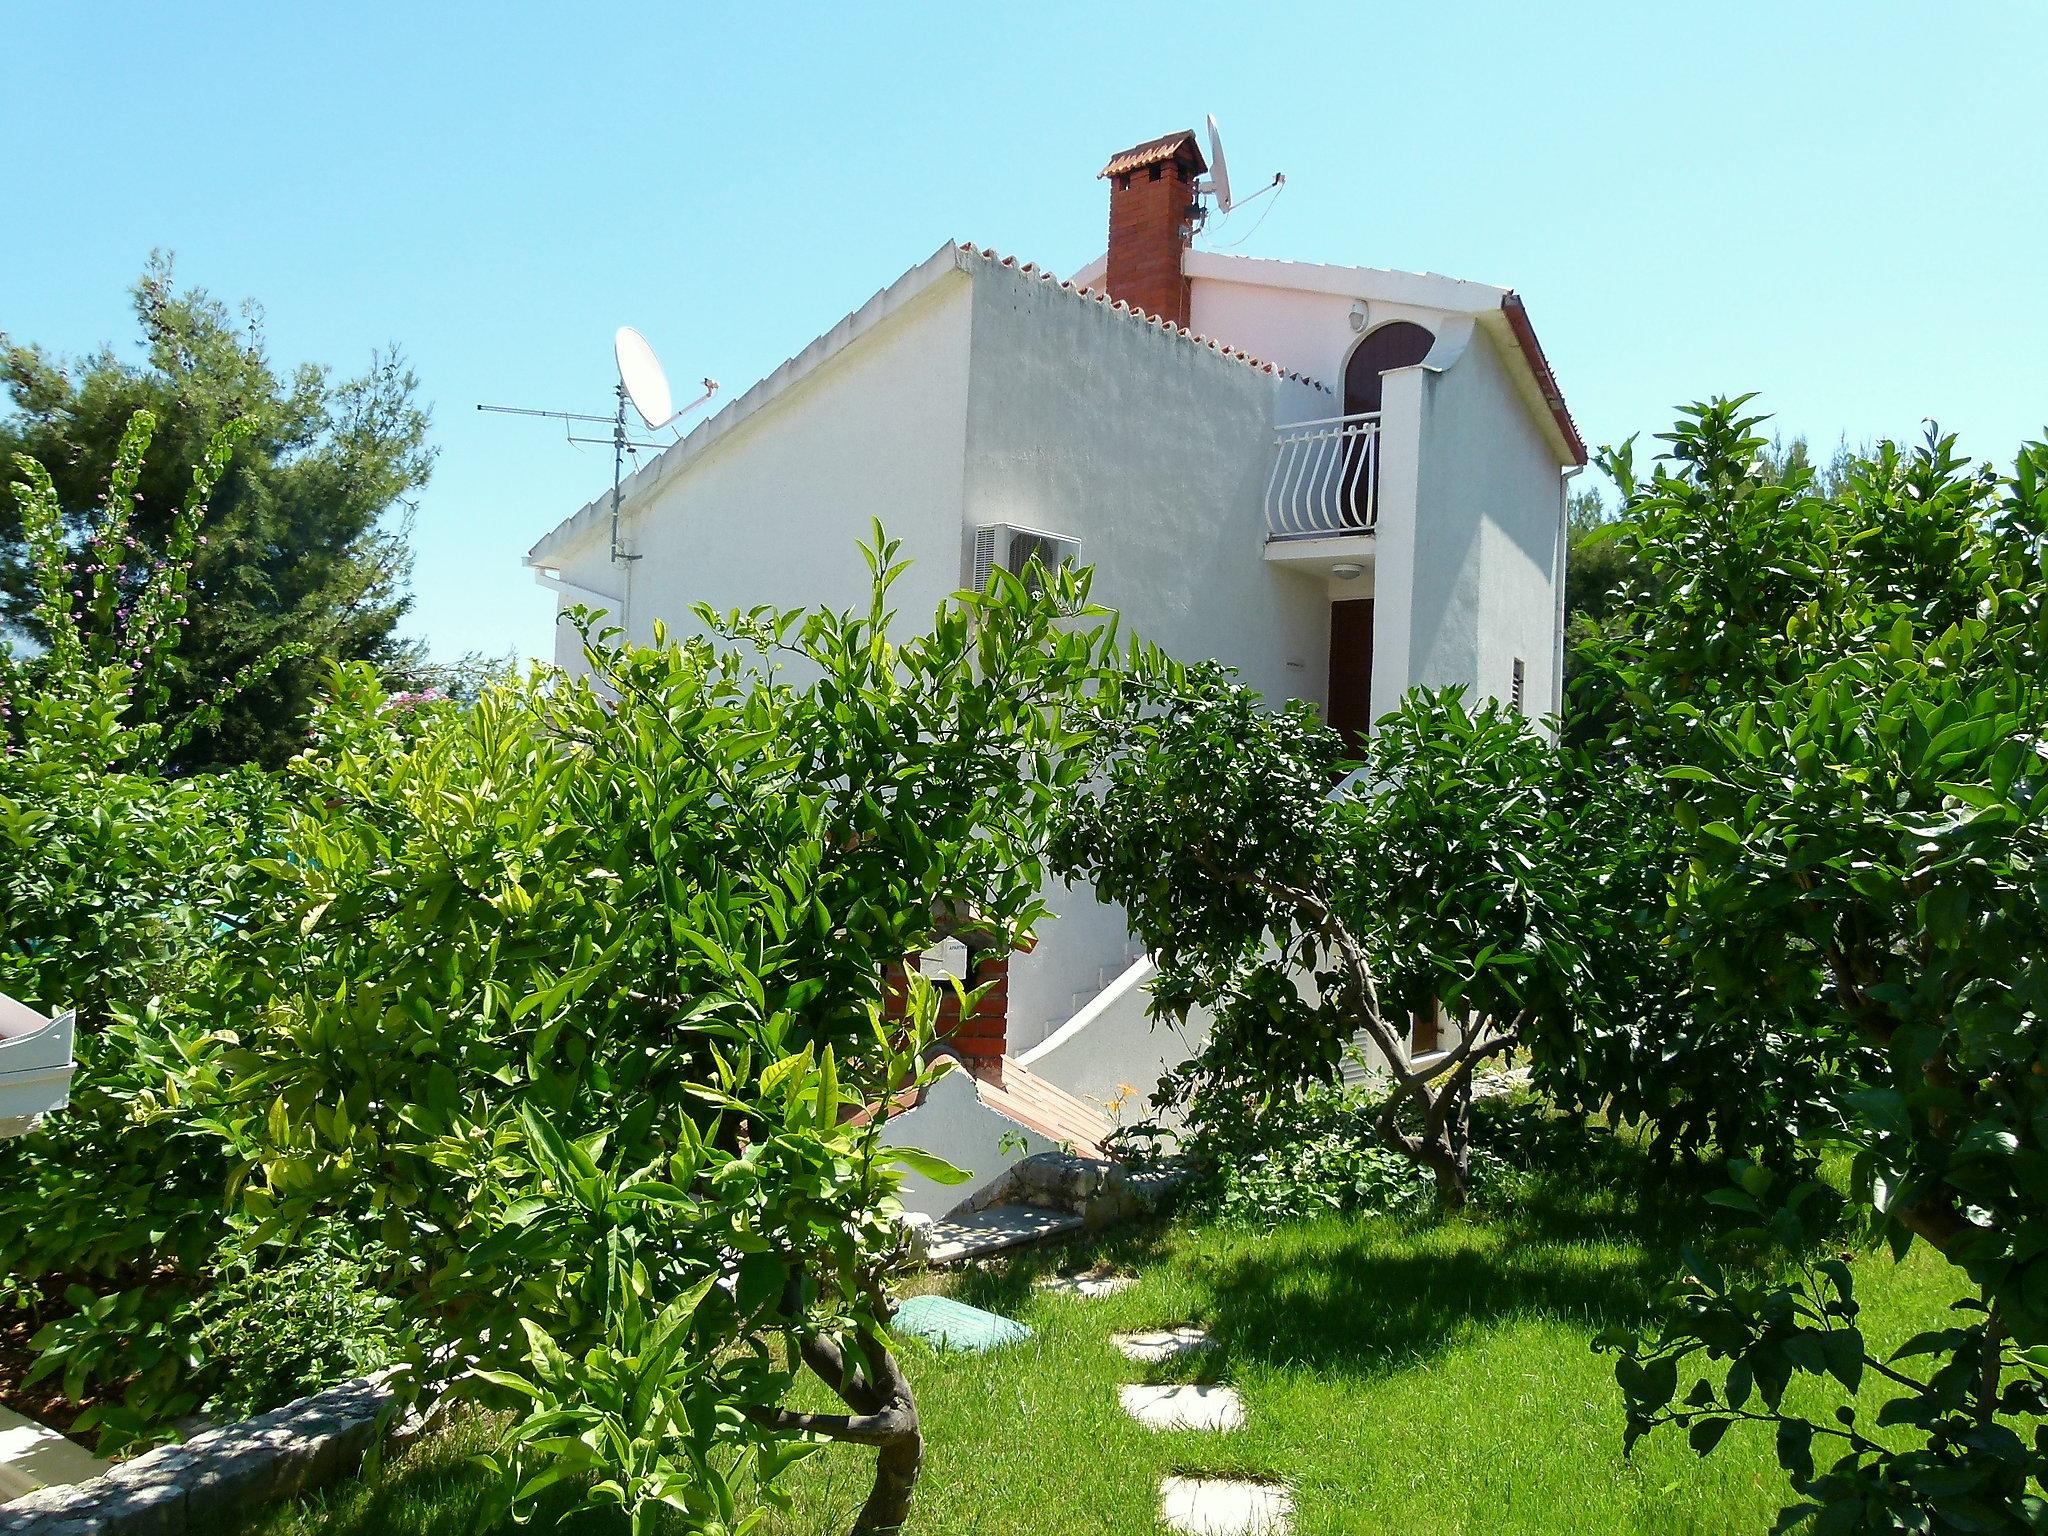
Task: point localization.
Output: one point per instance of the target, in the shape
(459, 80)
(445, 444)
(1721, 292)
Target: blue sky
(1838, 205)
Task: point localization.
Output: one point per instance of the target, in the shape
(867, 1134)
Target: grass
(1429, 1377)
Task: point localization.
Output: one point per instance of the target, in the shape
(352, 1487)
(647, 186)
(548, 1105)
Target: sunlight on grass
(1426, 1377)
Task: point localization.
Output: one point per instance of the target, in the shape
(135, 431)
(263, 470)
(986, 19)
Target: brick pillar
(981, 1040)
(1151, 196)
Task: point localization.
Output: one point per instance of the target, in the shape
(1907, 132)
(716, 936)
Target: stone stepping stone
(1178, 1407)
(951, 1324)
(1160, 1346)
(1091, 1285)
(1211, 1506)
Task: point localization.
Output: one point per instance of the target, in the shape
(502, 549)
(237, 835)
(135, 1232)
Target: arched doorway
(1397, 344)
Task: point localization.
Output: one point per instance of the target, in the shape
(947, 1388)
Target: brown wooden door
(1397, 344)
(1350, 709)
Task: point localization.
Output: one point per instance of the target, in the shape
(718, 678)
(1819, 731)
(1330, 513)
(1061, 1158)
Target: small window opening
(1516, 690)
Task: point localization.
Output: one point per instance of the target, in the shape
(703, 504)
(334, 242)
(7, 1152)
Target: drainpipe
(1564, 535)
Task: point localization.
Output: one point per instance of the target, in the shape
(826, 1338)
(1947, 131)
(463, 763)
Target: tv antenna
(644, 386)
(1218, 184)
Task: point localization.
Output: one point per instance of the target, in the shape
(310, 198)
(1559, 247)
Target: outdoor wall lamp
(1358, 316)
(1347, 571)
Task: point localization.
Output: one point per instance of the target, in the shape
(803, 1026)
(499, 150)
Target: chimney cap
(1172, 146)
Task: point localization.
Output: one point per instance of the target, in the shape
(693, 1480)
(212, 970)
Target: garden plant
(536, 1044)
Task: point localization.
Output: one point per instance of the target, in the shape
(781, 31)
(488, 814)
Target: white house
(1342, 481)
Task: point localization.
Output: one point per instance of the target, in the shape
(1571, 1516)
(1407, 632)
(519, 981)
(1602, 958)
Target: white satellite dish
(640, 373)
(1219, 173)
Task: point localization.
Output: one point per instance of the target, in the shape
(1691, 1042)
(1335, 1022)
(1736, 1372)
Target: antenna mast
(641, 381)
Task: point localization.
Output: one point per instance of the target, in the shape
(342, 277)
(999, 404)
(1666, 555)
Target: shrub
(573, 998)
(278, 1324)
(1318, 1150)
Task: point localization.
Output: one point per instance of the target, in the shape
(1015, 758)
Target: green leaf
(929, 1164)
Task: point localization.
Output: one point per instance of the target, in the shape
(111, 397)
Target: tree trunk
(888, 1421)
(1446, 1148)
(896, 1467)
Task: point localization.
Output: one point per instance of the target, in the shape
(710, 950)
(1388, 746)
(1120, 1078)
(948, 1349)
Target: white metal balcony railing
(1325, 479)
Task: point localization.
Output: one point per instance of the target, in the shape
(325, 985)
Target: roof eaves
(1426, 290)
(1525, 337)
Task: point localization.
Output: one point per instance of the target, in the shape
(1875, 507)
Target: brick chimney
(1151, 196)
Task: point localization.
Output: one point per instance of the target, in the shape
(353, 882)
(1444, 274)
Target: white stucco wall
(1115, 1043)
(1154, 452)
(1489, 530)
(954, 1124)
(773, 511)
(1304, 332)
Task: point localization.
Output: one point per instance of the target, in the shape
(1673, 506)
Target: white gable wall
(1154, 452)
(1489, 533)
(773, 512)
(1302, 331)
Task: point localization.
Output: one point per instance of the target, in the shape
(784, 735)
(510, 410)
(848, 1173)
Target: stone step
(33, 1456)
(1184, 1407)
(1214, 1506)
(954, 1241)
(1162, 1346)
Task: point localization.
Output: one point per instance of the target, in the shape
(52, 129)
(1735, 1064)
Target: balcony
(1325, 480)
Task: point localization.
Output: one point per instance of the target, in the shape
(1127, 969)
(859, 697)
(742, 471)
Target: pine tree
(305, 544)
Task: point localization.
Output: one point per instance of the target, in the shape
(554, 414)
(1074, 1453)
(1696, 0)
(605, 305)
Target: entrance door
(1350, 711)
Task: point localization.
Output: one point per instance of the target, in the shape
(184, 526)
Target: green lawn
(1415, 1377)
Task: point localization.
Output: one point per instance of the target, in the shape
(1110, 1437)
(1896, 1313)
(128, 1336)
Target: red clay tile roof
(1532, 349)
(1154, 152)
(1030, 269)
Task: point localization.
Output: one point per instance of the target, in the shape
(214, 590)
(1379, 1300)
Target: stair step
(993, 1230)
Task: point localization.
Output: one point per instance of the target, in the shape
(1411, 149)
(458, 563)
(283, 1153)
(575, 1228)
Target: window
(1517, 688)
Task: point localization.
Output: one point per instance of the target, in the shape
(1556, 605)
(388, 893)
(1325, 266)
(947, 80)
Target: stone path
(993, 1230)
(1214, 1506)
(1090, 1285)
(1192, 1506)
(33, 1457)
(1162, 1346)
(1184, 1407)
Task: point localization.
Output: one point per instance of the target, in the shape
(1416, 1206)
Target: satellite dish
(640, 372)
(1219, 174)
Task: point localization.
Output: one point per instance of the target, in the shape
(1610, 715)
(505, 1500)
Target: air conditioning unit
(1012, 548)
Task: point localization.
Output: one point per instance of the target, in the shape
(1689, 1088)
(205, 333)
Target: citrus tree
(1305, 917)
(575, 998)
(114, 880)
(1842, 692)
